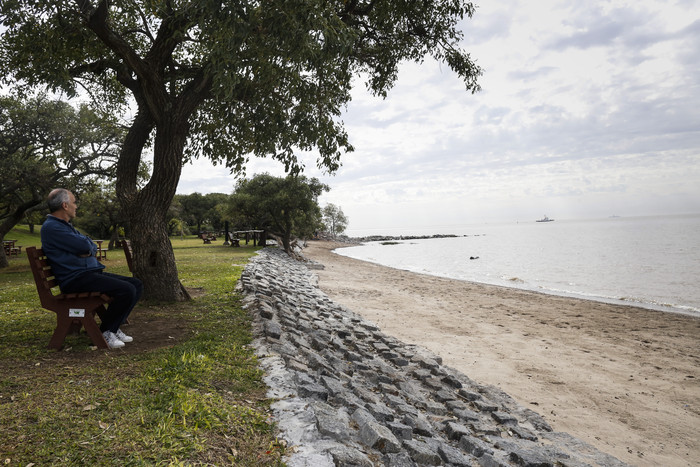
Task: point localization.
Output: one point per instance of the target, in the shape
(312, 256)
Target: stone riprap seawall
(347, 394)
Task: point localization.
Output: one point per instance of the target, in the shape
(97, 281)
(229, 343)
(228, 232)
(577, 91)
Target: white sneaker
(113, 342)
(123, 337)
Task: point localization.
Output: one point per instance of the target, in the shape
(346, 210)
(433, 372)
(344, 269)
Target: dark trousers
(125, 292)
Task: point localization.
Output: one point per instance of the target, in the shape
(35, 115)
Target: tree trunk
(153, 257)
(154, 260)
(287, 242)
(10, 222)
(4, 262)
(114, 237)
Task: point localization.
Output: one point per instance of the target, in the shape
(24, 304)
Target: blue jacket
(63, 246)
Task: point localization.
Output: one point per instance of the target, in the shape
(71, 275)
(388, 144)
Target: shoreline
(676, 309)
(616, 376)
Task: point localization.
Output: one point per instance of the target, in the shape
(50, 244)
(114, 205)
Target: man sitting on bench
(72, 258)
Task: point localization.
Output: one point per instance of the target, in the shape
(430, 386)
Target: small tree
(45, 144)
(285, 207)
(334, 220)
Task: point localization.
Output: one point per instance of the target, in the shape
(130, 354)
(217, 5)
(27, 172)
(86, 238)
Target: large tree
(44, 144)
(221, 79)
(285, 207)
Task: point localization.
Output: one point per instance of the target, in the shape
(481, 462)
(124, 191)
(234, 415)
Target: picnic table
(258, 236)
(10, 248)
(101, 253)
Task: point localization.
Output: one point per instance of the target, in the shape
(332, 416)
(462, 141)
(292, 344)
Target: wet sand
(624, 379)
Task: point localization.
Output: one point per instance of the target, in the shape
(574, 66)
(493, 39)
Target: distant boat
(545, 219)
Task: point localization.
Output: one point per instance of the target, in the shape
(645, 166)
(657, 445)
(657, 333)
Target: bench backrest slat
(43, 276)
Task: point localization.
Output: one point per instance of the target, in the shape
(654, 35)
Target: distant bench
(73, 310)
(11, 249)
(207, 237)
(233, 240)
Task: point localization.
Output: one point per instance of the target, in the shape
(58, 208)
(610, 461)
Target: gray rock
(455, 431)
(454, 456)
(347, 456)
(530, 459)
(273, 329)
(334, 385)
(504, 418)
(456, 405)
(379, 437)
(381, 412)
(485, 406)
(435, 408)
(331, 421)
(422, 453)
(469, 395)
(452, 381)
(492, 460)
(313, 391)
(400, 430)
(401, 459)
(349, 400)
(485, 428)
(466, 415)
(475, 446)
(445, 396)
(361, 416)
(523, 433)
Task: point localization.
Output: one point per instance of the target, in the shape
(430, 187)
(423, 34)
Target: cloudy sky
(588, 109)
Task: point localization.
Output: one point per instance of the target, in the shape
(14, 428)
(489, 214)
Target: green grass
(187, 392)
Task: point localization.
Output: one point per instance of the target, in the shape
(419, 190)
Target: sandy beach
(624, 379)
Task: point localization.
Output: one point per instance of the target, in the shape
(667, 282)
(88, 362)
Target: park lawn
(187, 391)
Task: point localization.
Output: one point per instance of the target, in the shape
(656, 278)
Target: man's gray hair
(57, 197)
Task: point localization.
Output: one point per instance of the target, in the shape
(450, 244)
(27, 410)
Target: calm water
(645, 261)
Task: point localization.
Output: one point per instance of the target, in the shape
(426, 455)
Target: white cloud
(587, 109)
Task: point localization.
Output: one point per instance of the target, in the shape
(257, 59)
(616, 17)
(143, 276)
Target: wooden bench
(73, 310)
(234, 241)
(207, 237)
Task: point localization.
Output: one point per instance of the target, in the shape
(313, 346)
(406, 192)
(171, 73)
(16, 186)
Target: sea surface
(652, 262)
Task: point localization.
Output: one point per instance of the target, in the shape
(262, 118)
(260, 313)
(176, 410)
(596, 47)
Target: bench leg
(94, 332)
(63, 326)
